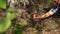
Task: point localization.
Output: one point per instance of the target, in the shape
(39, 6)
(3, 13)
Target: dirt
(49, 25)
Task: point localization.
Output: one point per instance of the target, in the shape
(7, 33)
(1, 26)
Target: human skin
(49, 13)
(58, 1)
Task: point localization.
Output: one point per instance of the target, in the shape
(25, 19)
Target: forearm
(45, 15)
(49, 13)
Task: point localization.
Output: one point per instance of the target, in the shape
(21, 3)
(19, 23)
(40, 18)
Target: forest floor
(49, 25)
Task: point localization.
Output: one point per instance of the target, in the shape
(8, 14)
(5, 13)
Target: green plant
(22, 22)
(10, 13)
(3, 4)
(18, 30)
(4, 24)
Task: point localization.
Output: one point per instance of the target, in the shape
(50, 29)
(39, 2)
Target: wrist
(39, 17)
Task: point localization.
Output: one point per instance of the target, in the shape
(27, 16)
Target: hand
(36, 16)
